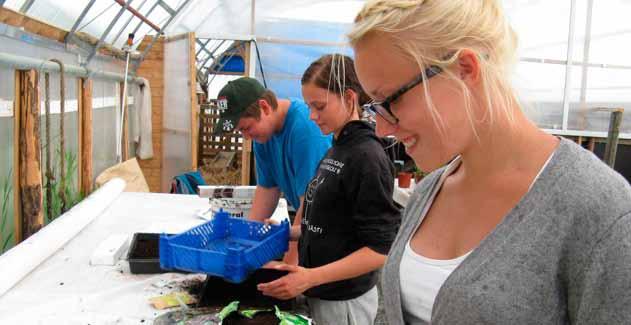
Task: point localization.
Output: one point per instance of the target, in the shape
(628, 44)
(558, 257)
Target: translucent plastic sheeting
(284, 65)
(104, 115)
(216, 17)
(176, 131)
(63, 14)
(7, 80)
(537, 39)
(611, 32)
(225, 17)
(542, 98)
(59, 13)
(606, 88)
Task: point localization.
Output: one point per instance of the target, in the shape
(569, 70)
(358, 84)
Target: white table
(66, 289)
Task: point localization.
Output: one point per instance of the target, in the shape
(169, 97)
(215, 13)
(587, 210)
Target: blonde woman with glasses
(513, 226)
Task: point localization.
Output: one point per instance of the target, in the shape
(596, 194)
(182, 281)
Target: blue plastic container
(227, 247)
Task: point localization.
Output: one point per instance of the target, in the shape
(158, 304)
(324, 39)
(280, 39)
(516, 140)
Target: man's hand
(298, 280)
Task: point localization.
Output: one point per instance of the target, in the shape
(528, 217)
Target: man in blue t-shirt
(288, 146)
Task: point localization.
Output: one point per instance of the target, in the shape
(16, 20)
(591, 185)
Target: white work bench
(61, 287)
(48, 279)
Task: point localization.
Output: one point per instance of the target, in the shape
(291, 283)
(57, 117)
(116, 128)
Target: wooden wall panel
(152, 68)
(32, 25)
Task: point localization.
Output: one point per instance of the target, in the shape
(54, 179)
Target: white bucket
(239, 208)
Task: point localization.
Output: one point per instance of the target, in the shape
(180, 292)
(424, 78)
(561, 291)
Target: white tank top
(421, 277)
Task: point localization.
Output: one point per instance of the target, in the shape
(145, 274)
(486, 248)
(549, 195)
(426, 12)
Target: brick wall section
(152, 68)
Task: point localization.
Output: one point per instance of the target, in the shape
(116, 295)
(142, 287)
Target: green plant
(69, 190)
(4, 213)
(418, 173)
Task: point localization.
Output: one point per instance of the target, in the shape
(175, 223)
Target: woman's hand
(298, 280)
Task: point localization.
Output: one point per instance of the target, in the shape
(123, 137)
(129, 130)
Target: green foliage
(4, 214)
(73, 196)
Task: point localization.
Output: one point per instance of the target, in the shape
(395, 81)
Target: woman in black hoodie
(349, 220)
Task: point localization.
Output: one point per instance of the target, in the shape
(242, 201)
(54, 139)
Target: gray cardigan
(561, 256)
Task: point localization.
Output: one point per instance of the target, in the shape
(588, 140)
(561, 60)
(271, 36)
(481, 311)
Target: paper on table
(279, 214)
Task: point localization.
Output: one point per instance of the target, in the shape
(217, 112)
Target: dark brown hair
(254, 110)
(335, 73)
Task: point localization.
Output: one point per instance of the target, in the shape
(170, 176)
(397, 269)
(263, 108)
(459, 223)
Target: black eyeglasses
(383, 108)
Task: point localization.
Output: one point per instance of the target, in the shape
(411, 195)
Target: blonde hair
(433, 32)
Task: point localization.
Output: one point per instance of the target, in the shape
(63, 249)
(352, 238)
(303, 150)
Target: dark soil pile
(262, 318)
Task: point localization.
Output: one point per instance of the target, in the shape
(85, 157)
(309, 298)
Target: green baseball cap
(233, 99)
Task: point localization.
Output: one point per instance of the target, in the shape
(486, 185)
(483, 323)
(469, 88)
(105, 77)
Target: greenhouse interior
(109, 111)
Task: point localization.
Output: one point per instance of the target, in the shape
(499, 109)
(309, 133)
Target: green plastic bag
(291, 319)
(250, 313)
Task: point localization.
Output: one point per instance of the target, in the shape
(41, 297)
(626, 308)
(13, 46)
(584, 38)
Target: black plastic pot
(144, 254)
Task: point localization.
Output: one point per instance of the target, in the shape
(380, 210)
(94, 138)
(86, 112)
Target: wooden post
(612, 137)
(152, 68)
(591, 144)
(85, 136)
(245, 162)
(29, 166)
(194, 103)
(247, 143)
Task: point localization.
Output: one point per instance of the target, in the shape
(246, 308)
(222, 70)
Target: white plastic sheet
(66, 289)
(22, 259)
(176, 131)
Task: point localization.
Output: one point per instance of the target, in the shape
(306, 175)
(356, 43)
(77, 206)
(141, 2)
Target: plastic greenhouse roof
(292, 33)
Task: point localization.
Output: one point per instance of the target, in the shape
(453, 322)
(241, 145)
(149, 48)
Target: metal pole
(612, 137)
(26, 6)
(586, 47)
(155, 38)
(81, 16)
(203, 45)
(251, 56)
(568, 67)
(127, 24)
(18, 62)
(119, 146)
(211, 55)
(166, 7)
(146, 15)
(252, 17)
(106, 32)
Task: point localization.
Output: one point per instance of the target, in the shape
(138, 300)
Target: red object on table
(404, 179)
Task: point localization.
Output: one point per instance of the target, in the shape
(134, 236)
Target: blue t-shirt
(289, 159)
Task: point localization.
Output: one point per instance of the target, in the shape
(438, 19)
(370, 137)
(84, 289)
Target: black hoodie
(348, 205)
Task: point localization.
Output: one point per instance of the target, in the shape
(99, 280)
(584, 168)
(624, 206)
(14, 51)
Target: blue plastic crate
(228, 247)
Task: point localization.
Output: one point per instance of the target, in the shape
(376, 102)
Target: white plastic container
(236, 207)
